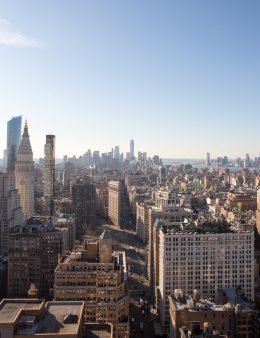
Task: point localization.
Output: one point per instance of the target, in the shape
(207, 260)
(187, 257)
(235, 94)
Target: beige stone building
(241, 200)
(172, 215)
(164, 204)
(233, 316)
(197, 330)
(24, 174)
(96, 275)
(32, 318)
(142, 220)
(115, 202)
(202, 255)
(187, 309)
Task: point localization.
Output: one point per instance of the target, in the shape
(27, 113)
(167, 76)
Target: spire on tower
(25, 145)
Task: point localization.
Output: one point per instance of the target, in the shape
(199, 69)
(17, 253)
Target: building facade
(96, 275)
(171, 215)
(233, 316)
(30, 318)
(14, 127)
(132, 149)
(49, 175)
(115, 202)
(24, 174)
(33, 256)
(258, 220)
(10, 211)
(187, 309)
(102, 199)
(206, 256)
(83, 194)
(142, 220)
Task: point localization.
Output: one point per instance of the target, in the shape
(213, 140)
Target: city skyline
(181, 79)
(126, 151)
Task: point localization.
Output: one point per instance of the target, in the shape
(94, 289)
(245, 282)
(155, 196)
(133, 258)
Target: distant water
(199, 163)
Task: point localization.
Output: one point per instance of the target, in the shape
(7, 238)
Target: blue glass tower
(14, 127)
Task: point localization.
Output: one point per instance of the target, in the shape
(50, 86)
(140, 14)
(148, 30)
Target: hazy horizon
(180, 78)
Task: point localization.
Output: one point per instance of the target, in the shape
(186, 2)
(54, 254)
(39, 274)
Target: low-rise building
(234, 317)
(29, 318)
(187, 309)
(242, 200)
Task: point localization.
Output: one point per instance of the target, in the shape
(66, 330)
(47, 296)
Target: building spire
(25, 129)
(25, 145)
(24, 174)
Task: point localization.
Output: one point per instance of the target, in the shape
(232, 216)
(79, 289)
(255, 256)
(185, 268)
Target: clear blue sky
(180, 77)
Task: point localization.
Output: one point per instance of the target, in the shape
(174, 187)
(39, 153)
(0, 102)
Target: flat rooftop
(185, 302)
(55, 317)
(11, 308)
(97, 330)
(61, 317)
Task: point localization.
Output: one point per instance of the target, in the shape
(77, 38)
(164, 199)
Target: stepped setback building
(96, 275)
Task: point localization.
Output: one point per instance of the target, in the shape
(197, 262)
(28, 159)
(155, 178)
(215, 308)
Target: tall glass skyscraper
(14, 127)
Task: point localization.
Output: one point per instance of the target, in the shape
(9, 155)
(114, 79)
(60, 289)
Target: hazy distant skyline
(181, 78)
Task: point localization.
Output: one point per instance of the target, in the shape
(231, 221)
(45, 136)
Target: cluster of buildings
(44, 251)
(224, 161)
(200, 229)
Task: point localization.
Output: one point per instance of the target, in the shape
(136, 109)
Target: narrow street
(138, 286)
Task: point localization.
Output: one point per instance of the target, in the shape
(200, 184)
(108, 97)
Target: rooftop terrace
(202, 226)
